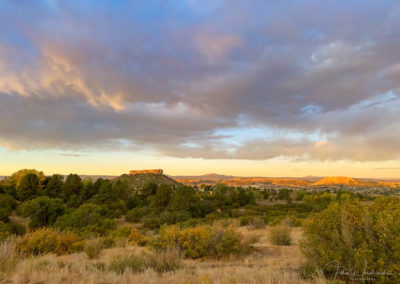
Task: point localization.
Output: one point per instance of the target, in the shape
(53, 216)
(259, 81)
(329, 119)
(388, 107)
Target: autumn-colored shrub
(280, 235)
(137, 238)
(195, 242)
(202, 241)
(45, 241)
(356, 238)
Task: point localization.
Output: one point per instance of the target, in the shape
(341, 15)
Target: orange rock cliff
(157, 172)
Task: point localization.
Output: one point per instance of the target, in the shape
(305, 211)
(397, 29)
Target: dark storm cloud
(169, 75)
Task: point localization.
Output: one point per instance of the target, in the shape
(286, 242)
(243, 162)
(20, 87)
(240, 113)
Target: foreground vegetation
(110, 230)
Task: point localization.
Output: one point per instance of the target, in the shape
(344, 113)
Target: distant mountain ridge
(308, 181)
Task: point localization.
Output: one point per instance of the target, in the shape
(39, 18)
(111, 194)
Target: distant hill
(206, 177)
(339, 180)
(138, 180)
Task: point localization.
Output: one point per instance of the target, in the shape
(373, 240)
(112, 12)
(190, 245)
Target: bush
(136, 214)
(355, 237)
(45, 241)
(202, 241)
(94, 248)
(280, 235)
(7, 229)
(87, 220)
(42, 211)
(227, 241)
(131, 261)
(122, 232)
(195, 242)
(169, 260)
(151, 223)
(245, 220)
(7, 204)
(137, 238)
(257, 223)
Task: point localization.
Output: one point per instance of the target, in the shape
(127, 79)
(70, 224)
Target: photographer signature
(354, 275)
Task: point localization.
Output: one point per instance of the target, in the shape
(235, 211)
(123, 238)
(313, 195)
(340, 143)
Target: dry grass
(268, 264)
(8, 258)
(280, 235)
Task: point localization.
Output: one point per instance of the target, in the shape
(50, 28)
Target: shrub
(245, 220)
(169, 260)
(122, 232)
(280, 235)
(355, 237)
(136, 214)
(7, 229)
(257, 223)
(94, 248)
(227, 241)
(7, 204)
(195, 242)
(86, 220)
(173, 217)
(131, 261)
(42, 211)
(137, 238)
(202, 241)
(151, 223)
(45, 241)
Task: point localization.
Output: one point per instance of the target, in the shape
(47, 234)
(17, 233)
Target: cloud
(190, 80)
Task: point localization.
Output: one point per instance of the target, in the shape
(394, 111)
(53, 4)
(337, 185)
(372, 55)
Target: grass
(131, 264)
(8, 258)
(280, 235)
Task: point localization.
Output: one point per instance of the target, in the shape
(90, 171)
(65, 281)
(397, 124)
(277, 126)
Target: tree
(87, 219)
(149, 189)
(7, 204)
(54, 186)
(184, 199)
(16, 178)
(73, 185)
(28, 187)
(42, 211)
(162, 196)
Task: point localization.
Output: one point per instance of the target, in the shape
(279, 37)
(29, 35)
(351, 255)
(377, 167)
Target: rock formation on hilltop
(155, 172)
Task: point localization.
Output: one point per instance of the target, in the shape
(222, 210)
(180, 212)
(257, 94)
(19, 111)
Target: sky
(260, 88)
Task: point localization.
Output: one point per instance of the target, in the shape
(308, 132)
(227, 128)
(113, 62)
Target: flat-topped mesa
(154, 172)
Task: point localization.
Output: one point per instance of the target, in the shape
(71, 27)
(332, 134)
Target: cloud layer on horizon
(302, 80)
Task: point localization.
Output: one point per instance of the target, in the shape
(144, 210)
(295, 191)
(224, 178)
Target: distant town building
(137, 172)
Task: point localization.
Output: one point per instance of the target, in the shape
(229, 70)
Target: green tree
(163, 196)
(148, 190)
(86, 220)
(28, 188)
(54, 186)
(7, 205)
(284, 194)
(42, 211)
(73, 185)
